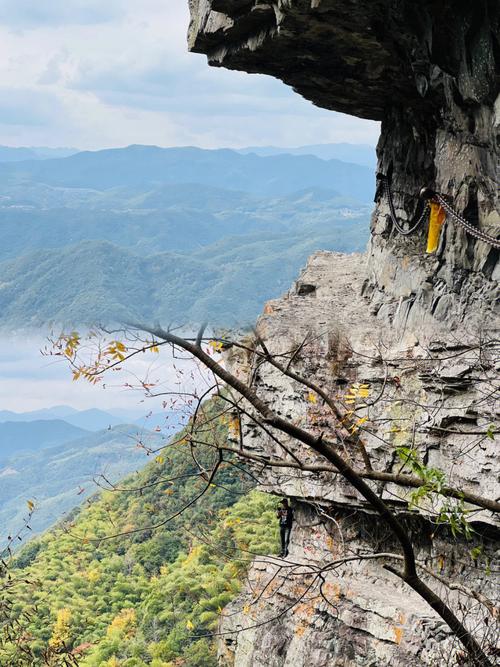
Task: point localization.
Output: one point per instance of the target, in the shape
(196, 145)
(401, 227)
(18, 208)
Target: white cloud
(36, 13)
(119, 73)
(30, 381)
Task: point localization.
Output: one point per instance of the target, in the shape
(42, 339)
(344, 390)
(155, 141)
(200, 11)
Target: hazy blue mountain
(93, 419)
(97, 420)
(15, 154)
(55, 412)
(58, 478)
(16, 437)
(149, 165)
(144, 233)
(46, 152)
(166, 422)
(363, 154)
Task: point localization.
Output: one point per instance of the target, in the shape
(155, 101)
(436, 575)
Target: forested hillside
(56, 477)
(148, 596)
(181, 235)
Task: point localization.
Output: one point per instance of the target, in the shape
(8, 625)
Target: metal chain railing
(418, 221)
(470, 229)
(427, 195)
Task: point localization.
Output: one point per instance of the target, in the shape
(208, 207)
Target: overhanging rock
(427, 70)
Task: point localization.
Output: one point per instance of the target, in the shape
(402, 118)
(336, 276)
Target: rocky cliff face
(428, 71)
(405, 324)
(436, 395)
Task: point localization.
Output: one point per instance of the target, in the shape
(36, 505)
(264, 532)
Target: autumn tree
(338, 449)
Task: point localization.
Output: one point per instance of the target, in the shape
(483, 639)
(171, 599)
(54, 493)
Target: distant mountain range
(14, 154)
(16, 437)
(363, 154)
(58, 477)
(90, 420)
(177, 234)
(60, 423)
(142, 166)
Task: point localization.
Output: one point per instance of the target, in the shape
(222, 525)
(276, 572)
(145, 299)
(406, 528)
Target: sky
(92, 74)
(30, 380)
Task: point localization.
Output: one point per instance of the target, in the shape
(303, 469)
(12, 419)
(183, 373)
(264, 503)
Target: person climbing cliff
(285, 518)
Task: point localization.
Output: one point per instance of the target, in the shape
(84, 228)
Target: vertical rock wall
(397, 319)
(429, 72)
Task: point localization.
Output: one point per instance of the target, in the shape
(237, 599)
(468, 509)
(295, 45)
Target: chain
(470, 229)
(395, 221)
(465, 224)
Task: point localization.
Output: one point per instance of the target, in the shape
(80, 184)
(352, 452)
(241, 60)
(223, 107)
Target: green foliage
(452, 511)
(454, 514)
(433, 478)
(151, 596)
(490, 432)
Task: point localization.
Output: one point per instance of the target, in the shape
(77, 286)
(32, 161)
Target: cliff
(429, 73)
(417, 329)
(433, 395)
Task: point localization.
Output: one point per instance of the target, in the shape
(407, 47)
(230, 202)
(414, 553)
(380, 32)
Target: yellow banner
(436, 219)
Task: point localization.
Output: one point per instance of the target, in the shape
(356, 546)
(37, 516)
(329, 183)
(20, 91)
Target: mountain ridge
(138, 165)
(363, 154)
(16, 436)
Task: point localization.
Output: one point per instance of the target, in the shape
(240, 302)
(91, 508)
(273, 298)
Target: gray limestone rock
(399, 320)
(437, 393)
(428, 71)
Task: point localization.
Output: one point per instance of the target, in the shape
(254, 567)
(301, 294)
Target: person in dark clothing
(285, 518)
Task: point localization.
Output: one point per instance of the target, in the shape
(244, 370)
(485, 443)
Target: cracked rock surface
(395, 319)
(366, 616)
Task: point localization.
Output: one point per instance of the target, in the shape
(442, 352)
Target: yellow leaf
(189, 625)
(31, 505)
(234, 426)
